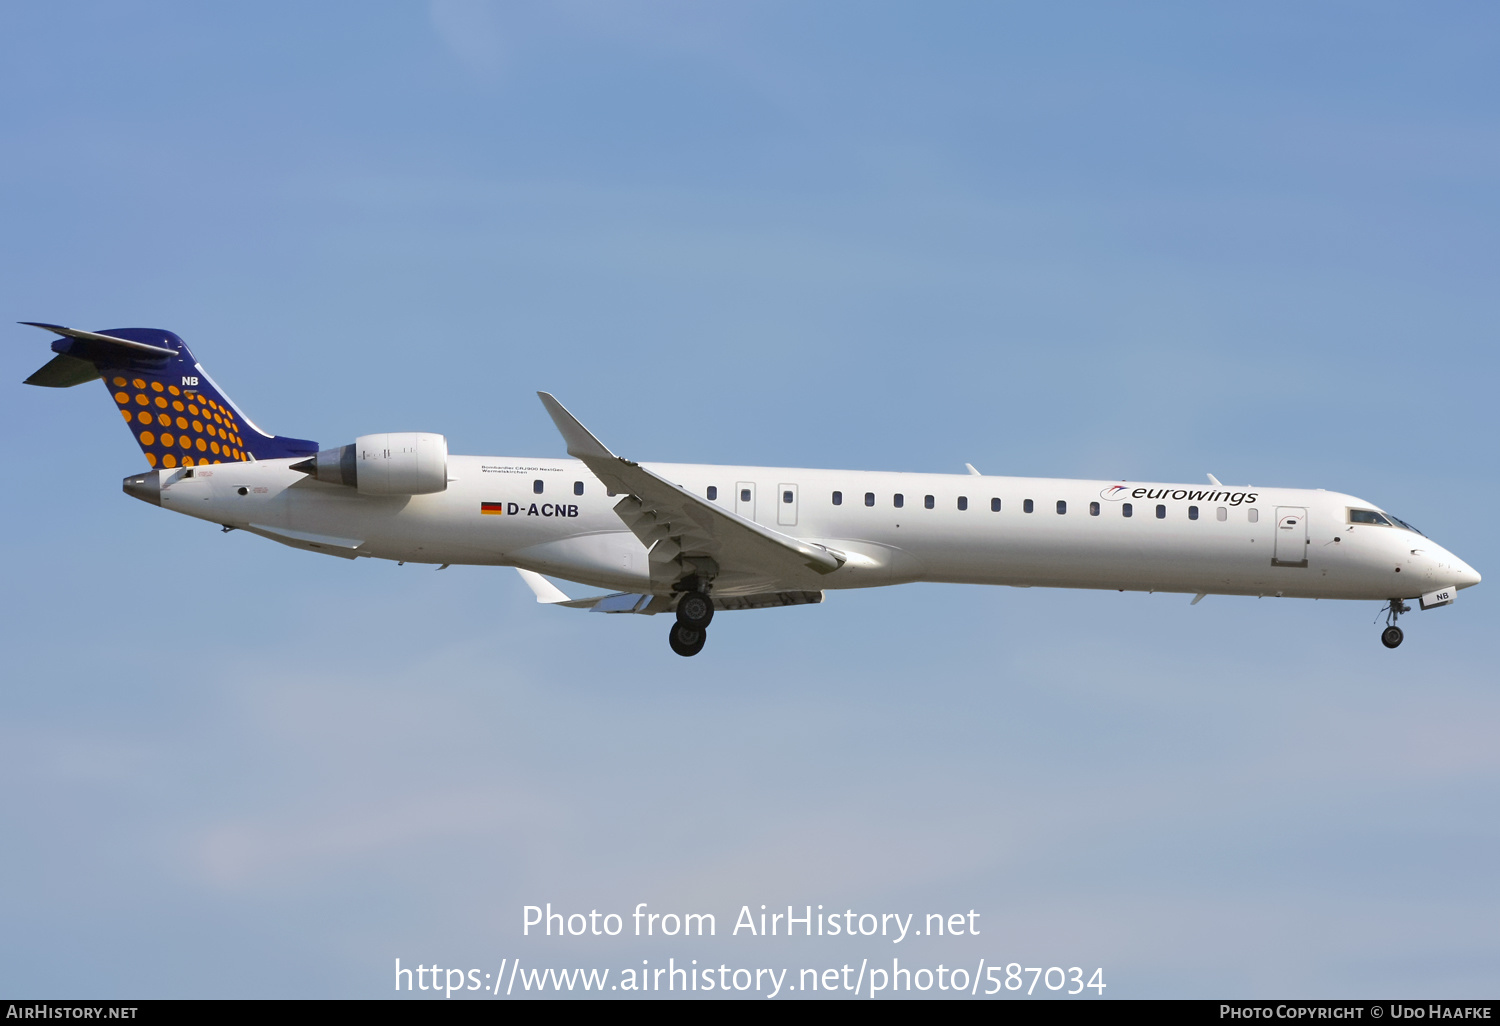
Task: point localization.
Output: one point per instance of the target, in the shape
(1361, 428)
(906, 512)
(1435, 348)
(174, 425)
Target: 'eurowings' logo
(1124, 491)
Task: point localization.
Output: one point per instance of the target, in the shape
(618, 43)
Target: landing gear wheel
(695, 610)
(687, 641)
(1390, 637)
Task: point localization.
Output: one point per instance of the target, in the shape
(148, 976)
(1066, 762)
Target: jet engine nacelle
(399, 463)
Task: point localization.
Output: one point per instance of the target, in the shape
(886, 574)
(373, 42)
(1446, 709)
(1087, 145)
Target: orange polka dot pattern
(215, 430)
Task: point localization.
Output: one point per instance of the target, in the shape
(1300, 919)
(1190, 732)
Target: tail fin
(175, 410)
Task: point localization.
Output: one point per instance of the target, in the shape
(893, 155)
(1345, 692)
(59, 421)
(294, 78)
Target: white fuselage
(1243, 541)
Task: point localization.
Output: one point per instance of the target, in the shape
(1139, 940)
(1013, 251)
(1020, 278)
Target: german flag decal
(495, 509)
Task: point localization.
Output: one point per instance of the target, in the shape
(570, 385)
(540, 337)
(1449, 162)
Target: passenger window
(1222, 513)
(1062, 507)
(929, 501)
(994, 505)
(1192, 512)
(898, 500)
(713, 493)
(786, 497)
(963, 502)
(838, 498)
(869, 498)
(1127, 510)
(1161, 512)
(744, 495)
(577, 487)
(1028, 506)
(536, 486)
(1093, 509)
(1254, 515)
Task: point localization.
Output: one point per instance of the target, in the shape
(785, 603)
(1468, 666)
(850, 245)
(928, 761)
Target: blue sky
(1146, 242)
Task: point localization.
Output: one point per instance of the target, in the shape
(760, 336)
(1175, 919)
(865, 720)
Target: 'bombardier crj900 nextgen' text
(690, 540)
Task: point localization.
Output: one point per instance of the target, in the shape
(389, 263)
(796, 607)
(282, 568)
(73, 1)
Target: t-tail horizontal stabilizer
(80, 364)
(177, 413)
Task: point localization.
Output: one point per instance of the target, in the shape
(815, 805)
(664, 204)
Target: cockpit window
(1403, 523)
(1369, 516)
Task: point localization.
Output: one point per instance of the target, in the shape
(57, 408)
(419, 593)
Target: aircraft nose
(146, 487)
(1466, 574)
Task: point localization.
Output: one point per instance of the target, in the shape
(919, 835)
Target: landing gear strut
(1391, 636)
(687, 641)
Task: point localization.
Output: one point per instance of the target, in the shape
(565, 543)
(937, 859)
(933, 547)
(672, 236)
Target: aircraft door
(744, 499)
(1291, 536)
(786, 505)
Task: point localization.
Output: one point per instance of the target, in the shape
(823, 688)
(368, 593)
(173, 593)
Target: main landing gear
(1391, 636)
(695, 610)
(687, 641)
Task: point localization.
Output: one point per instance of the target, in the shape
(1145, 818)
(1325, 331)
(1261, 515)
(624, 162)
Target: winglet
(1214, 481)
(972, 470)
(581, 442)
(547, 593)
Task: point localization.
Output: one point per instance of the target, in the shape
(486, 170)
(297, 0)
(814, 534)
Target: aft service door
(1291, 536)
(786, 505)
(744, 499)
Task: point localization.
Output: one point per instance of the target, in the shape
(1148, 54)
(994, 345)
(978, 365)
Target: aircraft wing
(686, 533)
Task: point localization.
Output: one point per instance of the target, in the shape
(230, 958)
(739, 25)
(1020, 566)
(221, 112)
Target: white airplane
(692, 539)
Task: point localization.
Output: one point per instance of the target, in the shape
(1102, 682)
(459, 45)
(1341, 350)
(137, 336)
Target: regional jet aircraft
(693, 539)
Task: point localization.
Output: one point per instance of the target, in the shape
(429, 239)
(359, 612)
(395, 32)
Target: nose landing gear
(1392, 636)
